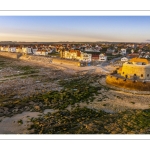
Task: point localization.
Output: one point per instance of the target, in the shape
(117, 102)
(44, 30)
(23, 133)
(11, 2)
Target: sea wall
(45, 59)
(128, 84)
(48, 60)
(10, 55)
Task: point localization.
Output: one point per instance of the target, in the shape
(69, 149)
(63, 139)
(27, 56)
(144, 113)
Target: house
(7, 49)
(110, 51)
(27, 50)
(70, 54)
(67, 55)
(95, 56)
(85, 57)
(41, 52)
(147, 56)
(51, 50)
(98, 48)
(124, 59)
(133, 55)
(34, 50)
(38, 52)
(44, 52)
(3, 49)
(19, 50)
(12, 49)
(123, 51)
(132, 51)
(102, 57)
(75, 54)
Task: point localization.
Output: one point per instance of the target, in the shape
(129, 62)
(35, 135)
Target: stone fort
(136, 68)
(133, 75)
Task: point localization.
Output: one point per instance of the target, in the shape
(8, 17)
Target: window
(147, 75)
(141, 75)
(123, 73)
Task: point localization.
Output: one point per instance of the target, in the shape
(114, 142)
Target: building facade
(26, 50)
(136, 69)
(102, 57)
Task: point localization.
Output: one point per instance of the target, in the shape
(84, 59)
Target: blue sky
(75, 28)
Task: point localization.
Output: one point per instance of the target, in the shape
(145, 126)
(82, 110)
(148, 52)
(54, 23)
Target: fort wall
(141, 71)
(127, 84)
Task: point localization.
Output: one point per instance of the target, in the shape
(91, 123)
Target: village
(56, 83)
(87, 52)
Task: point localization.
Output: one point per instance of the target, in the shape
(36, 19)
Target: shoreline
(48, 74)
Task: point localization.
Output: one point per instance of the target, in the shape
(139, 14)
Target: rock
(5, 109)
(16, 109)
(40, 104)
(1, 114)
(49, 110)
(6, 112)
(17, 96)
(23, 88)
(12, 110)
(1, 110)
(31, 103)
(37, 107)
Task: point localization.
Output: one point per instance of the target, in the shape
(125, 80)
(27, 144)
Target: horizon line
(74, 10)
(73, 42)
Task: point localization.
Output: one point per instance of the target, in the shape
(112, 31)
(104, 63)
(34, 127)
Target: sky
(75, 28)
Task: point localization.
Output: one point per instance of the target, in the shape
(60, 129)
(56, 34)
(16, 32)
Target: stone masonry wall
(128, 84)
(48, 60)
(10, 55)
(39, 58)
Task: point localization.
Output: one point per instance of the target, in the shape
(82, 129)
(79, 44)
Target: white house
(124, 59)
(110, 51)
(38, 52)
(12, 49)
(132, 51)
(3, 48)
(102, 57)
(50, 51)
(44, 52)
(147, 56)
(7, 49)
(67, 54)
(19, 50)
(73, 55)
(41, 52)
(85, 57)
(34, 50)
(123, 51)
(26, 50)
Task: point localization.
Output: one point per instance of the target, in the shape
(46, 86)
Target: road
(107, 66)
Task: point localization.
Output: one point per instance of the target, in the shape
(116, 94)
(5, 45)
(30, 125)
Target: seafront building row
(84, 52)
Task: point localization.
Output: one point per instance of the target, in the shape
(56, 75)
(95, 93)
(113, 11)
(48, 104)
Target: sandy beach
(15, 85)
